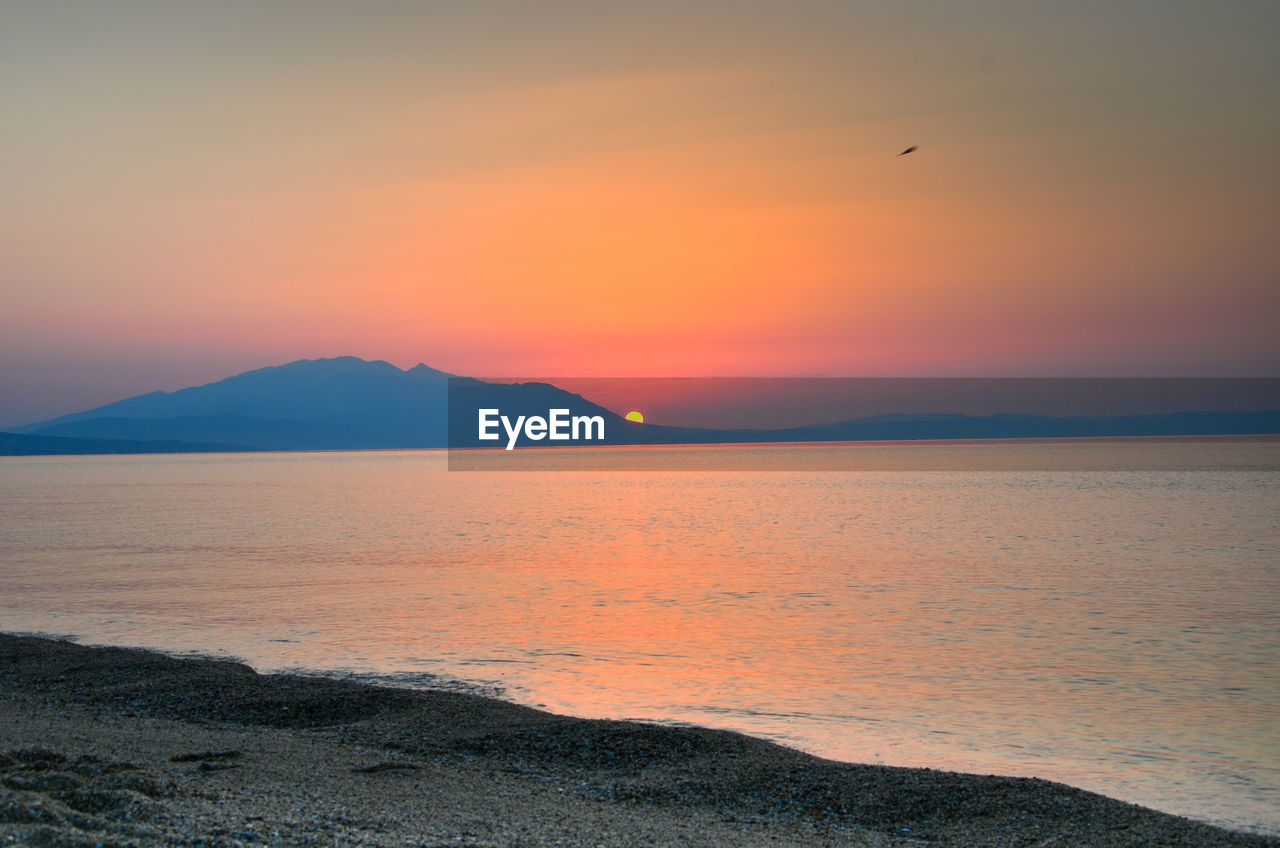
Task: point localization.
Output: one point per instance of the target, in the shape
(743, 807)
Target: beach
(111, 746)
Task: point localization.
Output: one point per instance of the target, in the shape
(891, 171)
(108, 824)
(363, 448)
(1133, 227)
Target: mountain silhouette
(1017, 426)
(347, 403)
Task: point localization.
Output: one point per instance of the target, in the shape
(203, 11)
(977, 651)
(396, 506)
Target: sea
(1112, 623)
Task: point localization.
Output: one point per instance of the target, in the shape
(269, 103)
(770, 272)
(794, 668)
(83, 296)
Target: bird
(910, 149)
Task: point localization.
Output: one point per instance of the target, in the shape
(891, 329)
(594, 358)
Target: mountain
(353, 404)
(1013, 426)
(467, 396)
(344, 403)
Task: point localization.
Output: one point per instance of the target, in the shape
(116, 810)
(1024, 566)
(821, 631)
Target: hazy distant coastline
(348, 403)
(21, 444)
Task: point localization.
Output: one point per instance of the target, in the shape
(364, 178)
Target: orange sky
(635, 189)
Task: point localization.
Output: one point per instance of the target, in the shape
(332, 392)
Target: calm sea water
(1115, 630)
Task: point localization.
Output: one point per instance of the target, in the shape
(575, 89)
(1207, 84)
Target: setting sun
(636, 416)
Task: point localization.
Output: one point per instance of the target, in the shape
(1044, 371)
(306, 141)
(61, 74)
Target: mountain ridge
(347, 403)
(262, 385)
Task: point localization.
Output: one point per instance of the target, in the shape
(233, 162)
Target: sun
(636, 416)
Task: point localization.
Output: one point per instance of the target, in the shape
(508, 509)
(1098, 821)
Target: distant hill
(18, 444)
(353, 404)
(312, 404)
(466, 397)
(1012, 426)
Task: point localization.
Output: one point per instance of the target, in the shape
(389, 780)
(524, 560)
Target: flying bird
(910, 149)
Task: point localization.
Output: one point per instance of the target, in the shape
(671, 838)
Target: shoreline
(118, 746)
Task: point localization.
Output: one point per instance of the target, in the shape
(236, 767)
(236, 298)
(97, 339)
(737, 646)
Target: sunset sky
(634, 189)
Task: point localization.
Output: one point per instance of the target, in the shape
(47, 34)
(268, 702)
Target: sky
(634, 189)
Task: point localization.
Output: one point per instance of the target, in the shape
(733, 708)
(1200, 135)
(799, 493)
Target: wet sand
(108, 746)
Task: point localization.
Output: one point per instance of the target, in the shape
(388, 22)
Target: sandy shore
(104, 746)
